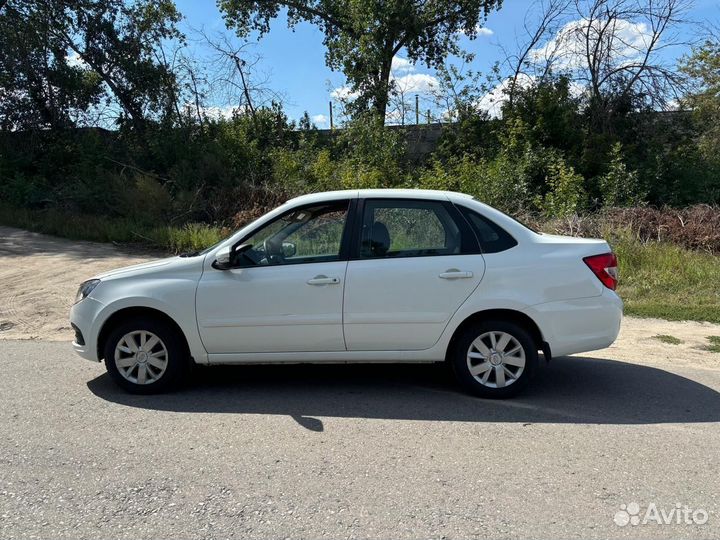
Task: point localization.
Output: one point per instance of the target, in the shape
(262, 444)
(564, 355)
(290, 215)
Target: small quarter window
(492, 237)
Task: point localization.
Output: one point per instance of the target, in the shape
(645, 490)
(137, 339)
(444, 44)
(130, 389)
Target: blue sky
(294, 60)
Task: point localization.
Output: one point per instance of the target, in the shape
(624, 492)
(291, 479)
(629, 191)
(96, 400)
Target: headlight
(86, 287)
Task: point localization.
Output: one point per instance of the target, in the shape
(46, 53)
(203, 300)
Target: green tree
(59, 55)
(40, 87)
(122, 42)
(363, 36)
(550, 112)
(702, 68)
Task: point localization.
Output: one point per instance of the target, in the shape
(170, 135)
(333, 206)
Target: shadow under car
(569, 390)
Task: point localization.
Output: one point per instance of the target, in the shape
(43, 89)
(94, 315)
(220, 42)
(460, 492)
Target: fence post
(417, 110)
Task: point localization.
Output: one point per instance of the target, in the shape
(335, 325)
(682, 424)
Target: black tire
(178, 357)
(459, 359)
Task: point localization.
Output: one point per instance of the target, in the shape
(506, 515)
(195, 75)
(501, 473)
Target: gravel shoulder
(40, 275)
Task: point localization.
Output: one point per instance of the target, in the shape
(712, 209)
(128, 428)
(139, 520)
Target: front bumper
(83, 317)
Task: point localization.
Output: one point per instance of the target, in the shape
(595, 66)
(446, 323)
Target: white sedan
(358, 276)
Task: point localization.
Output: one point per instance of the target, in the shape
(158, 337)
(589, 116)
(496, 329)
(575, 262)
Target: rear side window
(413, 228)
(492, 237)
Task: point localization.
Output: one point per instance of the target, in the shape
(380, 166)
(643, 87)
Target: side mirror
(222, 260)
(289, 249)
(230, 257)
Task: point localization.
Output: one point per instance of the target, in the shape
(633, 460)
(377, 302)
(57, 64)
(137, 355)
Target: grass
(668, 282)
(714, 344)
(666, 338)
(656, 279)
(175, 239)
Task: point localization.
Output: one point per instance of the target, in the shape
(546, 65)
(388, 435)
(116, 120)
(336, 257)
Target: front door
(287, 292)
(418, 261)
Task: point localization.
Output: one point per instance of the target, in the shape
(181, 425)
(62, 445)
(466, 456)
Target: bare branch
(234, 78)
(550, 14)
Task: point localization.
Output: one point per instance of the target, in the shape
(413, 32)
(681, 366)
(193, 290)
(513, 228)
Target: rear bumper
(83, 317)
(579, 325)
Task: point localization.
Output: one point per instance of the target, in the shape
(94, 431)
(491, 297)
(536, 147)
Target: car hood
(142, 268)
(161, 267)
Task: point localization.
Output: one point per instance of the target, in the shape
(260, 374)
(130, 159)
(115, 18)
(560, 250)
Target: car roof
(379, 193)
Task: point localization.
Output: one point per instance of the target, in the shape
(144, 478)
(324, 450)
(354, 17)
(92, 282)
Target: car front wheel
(146, 356)
(494, 359)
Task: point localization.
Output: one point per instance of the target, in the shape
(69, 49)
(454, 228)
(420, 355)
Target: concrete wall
(421, 139)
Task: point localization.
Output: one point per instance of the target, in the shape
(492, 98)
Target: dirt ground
(39, 276)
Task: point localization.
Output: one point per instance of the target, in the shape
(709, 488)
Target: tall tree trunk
(246, 90)
(126, 101)
(382, 95)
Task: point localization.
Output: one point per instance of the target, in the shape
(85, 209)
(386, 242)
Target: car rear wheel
(146, 356)
(494, 359)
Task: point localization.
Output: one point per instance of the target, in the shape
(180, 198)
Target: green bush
(189, 237)
(501, 182)
(146, 200)
(23, 191)
(524, 180)
(620, 186)
(565, 194)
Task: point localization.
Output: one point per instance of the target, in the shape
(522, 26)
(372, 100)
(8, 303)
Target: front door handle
(323, 280)
(454, 273)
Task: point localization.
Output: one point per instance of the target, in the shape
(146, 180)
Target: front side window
(400, 228)
(310, 234)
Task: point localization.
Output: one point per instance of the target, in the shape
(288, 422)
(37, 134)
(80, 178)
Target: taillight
(605, 268)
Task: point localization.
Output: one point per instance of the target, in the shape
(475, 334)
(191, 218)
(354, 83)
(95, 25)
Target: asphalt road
(353, 452)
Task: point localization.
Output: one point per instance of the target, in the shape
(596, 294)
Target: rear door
(414, 262)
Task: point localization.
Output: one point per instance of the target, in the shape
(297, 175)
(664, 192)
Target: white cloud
(408, 81)
(211, 112)
(402, 65)
(416, 83)
(73, 59)
(344, 93)
(566, 49)
(493, 101)
(403, 74)
(394, 116)
(320, 119)
(672, 105)
(220, 112)
(483, 31)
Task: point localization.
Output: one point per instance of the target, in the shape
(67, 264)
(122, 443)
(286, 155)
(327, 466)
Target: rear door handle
(323, 280)
(454, 273)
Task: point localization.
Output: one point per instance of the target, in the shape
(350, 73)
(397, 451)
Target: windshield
(198, 253)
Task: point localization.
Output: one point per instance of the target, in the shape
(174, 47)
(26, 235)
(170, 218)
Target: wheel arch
(128, 313)
(510, 315)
